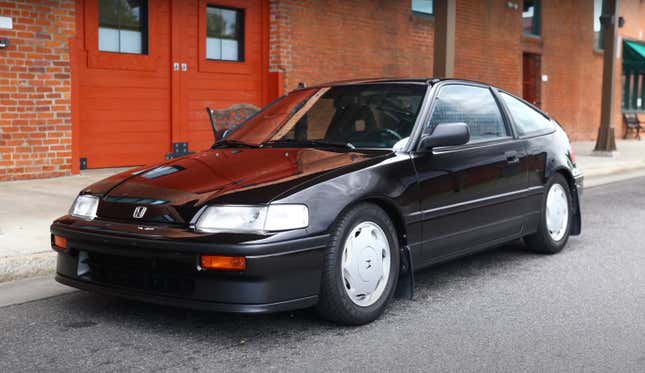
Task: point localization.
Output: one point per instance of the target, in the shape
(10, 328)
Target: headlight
(85, 206)
(284, 217)
(253, 218)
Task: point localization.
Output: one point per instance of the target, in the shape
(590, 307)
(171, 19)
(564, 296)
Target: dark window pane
(633, 90)
(474, 106)
(531, 17)
(123, 26)
(224, 34)
(527, 120)
(423, 6)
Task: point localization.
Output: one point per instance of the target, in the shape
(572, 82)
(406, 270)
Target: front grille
(151, 275)
(113, 208)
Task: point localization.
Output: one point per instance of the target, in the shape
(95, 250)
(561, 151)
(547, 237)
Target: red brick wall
(315, 41)
(487, 43)
(35, 89)
(572, 93)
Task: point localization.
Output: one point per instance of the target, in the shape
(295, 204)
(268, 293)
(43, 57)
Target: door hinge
(179, 149)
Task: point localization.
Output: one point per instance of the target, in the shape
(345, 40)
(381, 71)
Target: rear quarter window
(527, 120)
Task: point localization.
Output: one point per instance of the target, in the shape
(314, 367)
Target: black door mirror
(446, 134)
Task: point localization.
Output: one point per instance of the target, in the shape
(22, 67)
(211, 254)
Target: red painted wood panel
(124, 98)
(218, 84)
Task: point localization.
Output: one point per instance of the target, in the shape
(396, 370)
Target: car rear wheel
(555, 221)
(361, 266)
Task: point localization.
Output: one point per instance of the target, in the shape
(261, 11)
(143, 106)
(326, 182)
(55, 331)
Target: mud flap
(405, 286)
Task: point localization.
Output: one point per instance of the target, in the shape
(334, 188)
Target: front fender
(391, 181)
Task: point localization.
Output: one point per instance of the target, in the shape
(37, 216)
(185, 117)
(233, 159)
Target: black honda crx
(328, 197)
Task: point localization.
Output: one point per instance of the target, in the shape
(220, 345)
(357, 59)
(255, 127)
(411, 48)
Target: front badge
(139, 211)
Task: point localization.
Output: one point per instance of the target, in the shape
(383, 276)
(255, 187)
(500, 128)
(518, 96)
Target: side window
(531, 17)
(123, 26)
(224, 34)
(423, 6)
(474, 106)
(598, 30)
(527, 120)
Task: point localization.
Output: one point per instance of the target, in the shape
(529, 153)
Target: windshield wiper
(233, 144)
(309, 143)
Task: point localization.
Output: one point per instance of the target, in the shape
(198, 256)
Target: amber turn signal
(60, 243)
(223, 263)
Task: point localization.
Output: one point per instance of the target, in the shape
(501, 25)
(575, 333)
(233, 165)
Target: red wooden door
(124, 91)
(135, 102)
(531, 78)
(220, 65)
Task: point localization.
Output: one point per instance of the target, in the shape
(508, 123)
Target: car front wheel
(361, 266)
(555, 221)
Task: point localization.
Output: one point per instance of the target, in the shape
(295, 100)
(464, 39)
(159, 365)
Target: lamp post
(606, 141)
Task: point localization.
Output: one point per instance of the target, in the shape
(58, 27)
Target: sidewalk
(630, 158)
(27, 208)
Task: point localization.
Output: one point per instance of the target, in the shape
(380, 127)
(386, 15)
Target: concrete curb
(44, 263)
(30, 289)
(620, 169)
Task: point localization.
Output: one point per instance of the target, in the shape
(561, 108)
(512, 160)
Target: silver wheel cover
(557, 212)
(365, 263)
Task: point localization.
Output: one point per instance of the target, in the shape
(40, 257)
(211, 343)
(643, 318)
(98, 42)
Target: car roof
(421, 80)
(411, 80)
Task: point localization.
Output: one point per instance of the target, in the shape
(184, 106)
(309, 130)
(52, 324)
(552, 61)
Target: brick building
(104, 83)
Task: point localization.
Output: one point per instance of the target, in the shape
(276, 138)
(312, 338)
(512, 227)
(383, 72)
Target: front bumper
(279, 276)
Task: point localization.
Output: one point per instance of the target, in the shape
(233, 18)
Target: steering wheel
(391, 132)
(383, 137)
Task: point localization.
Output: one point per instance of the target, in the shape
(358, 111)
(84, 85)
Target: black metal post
(444, 38)
(606, 141)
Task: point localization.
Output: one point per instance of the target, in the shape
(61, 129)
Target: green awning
(633, 56)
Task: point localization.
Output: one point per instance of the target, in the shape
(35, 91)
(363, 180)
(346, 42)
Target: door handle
(184, 67)
(511, 157)
(175, 66)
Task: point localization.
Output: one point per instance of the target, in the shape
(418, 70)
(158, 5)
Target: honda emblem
(139, 211)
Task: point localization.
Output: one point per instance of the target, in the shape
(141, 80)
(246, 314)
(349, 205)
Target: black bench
(633, 123)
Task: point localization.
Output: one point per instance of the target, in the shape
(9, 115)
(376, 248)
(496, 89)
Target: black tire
(334, 304)
(541, 241)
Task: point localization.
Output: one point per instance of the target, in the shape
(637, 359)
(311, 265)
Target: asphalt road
(505, 310)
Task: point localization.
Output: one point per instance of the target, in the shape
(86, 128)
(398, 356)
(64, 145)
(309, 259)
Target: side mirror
(446, 134)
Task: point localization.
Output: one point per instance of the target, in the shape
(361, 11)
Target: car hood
(174, 191)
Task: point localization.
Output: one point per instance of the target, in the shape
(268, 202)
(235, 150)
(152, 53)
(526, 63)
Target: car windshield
(354, 116)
